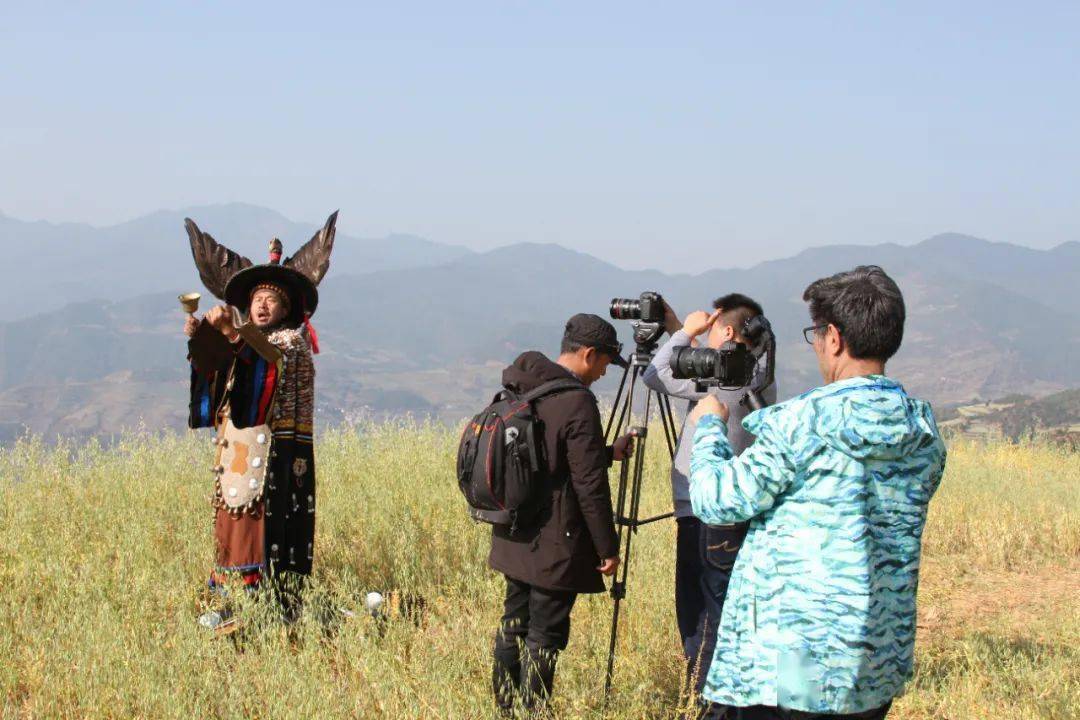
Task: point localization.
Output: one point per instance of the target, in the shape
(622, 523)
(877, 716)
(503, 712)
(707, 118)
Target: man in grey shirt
(704, 554)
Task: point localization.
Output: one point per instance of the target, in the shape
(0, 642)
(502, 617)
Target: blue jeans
(704, 556)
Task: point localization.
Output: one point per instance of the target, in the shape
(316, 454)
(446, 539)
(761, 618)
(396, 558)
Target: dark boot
(537, 675)
(716, 711)
(506, 672)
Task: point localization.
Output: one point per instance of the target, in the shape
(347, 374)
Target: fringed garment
(276, 533)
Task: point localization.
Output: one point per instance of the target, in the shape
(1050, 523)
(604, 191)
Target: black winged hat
(233, 278)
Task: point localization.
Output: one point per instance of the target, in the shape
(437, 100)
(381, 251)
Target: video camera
(733, 364)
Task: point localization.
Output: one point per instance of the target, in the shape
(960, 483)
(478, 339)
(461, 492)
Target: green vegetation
(104, 554)
(1016, 417)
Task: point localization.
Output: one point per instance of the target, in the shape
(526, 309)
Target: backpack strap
(552, 387)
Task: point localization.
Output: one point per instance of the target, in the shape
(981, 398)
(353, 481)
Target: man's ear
(835, 339)
(588, 355)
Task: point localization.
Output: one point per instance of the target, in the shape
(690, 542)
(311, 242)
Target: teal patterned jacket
(820, 611)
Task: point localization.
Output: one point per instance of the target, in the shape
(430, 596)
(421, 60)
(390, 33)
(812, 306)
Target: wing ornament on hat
(313, 257)
(215, 262)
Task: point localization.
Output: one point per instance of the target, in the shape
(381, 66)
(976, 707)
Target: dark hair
(570, 346)
(737, 309)
(865, 305)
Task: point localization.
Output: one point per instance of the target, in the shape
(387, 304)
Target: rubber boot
(537, 676)
(506, 673)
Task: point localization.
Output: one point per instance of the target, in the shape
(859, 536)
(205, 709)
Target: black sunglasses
(808, 332)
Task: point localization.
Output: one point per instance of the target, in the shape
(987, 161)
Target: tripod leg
(618, 592)
(630, 493)
(615, 408)
(667, 419)
(623, 412)
(618, 585)
(641, 432)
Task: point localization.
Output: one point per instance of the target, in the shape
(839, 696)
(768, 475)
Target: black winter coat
(561, 549)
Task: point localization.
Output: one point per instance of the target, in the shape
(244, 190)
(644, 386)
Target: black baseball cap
(595, 332)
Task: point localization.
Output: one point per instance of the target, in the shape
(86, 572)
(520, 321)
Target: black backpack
(501, 457)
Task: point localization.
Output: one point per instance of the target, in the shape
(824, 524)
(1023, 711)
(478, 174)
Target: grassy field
(104, 554)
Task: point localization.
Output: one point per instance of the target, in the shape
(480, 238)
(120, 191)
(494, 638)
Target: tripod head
(646, 337)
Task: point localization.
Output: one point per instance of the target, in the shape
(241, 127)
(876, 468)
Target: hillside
(1017, 417)
(425, 328)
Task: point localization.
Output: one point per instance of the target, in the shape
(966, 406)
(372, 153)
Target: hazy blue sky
(669, 135)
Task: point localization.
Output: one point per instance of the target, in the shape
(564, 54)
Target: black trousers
(535, 626)
(712, 711)
(704, 556)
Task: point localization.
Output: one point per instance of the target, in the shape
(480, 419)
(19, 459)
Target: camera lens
(693, 363)
(625, 309)
(730, 366)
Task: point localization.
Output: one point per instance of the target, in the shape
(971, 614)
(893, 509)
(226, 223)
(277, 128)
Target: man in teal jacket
(820, 616)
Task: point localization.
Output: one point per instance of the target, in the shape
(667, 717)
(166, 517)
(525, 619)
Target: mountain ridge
(431, 337)
(63, 263)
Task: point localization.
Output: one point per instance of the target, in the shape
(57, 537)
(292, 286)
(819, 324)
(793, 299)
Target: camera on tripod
(647, 308)
(647, 312)
(733, 365)
(632, 410)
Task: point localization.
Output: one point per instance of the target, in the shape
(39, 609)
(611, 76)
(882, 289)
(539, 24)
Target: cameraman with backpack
(569, 542)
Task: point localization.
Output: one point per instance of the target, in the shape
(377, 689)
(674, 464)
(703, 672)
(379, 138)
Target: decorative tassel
(275, 252)
(313, 337)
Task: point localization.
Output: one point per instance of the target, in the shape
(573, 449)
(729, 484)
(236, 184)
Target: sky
(676, 136)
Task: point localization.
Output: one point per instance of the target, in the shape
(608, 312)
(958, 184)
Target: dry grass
(104, 554)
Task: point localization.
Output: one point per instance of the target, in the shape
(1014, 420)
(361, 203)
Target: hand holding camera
(672, 324)
(709, 405)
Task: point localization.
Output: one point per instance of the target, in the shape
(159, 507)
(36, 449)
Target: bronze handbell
(189, 302)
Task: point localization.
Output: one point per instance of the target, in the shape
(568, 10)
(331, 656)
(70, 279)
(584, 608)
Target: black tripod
(627, 504)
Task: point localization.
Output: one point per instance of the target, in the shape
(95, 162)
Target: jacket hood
(867, 418)
(531, 370)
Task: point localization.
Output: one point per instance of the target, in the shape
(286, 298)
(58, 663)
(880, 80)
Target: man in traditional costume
(253, 381)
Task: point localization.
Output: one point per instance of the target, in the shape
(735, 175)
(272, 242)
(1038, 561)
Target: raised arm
(658, 375)
(210, 355)
(208, 349)
(727, 489)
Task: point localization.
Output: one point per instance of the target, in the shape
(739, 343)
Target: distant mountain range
(72, 262)
(409, 325)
